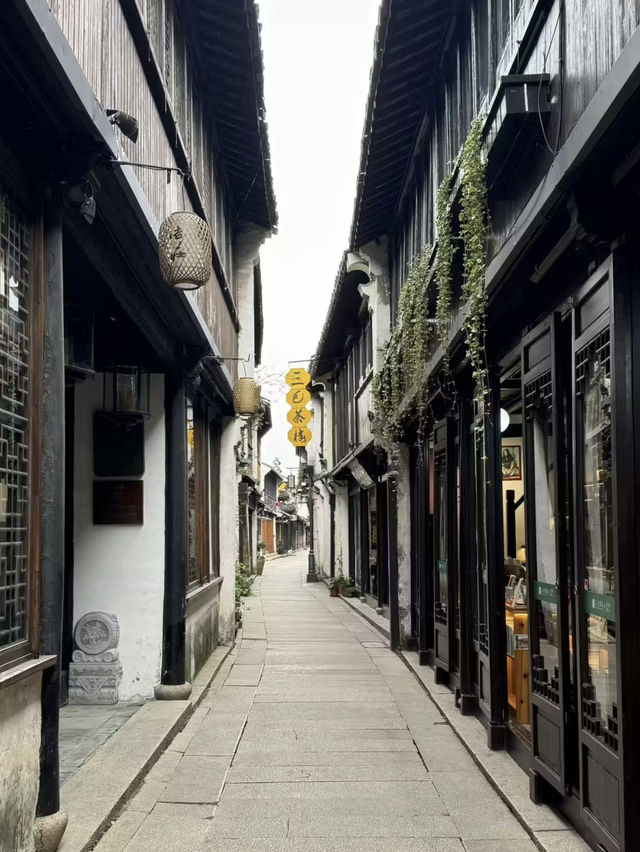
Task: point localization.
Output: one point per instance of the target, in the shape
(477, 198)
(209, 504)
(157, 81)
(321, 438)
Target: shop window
(198, 495)
(512, 460)
(595, 495)
(15, 401)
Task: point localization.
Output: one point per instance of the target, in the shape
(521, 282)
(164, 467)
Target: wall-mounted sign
(118, 502)
(360, 474)
(603, 606)
(298, 397)
(297, 376)
(299, 436)
(299, 416)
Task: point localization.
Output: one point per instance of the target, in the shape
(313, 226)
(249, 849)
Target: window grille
(14, 422)
(596, 352)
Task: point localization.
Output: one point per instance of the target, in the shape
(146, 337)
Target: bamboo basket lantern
(246, 397)
(185, 251)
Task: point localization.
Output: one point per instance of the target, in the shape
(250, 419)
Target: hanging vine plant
(403, 369)
(404, 359)
(474, 231)
(444, 263)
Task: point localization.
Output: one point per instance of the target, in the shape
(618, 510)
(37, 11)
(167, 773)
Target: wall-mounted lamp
(88, 203)
(127, 390)
(185, 251)
(504, 420)
(356, 263)
(127, 123)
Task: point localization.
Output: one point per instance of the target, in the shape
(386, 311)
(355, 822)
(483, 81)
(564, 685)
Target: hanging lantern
(185, 251)
(127, 390)
(246, 397)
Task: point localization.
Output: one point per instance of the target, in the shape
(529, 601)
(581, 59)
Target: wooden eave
(407, 54)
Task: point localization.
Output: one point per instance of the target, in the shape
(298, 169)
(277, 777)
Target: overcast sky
(317, 59)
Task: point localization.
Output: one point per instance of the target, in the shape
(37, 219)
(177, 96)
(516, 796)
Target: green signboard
(442, 566)
(603, 606)
(546, 592)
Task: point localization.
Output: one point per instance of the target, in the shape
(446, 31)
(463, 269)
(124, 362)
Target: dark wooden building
(523, 513)
(117, 432)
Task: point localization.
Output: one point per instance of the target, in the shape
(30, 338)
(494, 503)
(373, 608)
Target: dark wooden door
(599, 468)
(547, 474)
(444, 546)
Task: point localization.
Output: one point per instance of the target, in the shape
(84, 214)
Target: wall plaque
(118, 502)
(118, 444)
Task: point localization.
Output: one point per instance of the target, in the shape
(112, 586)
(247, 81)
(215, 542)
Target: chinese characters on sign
(298, 398)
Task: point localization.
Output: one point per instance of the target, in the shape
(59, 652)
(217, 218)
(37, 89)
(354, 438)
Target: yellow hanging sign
(297, 376)
(299, 416)
(298, 397)
(299, 436)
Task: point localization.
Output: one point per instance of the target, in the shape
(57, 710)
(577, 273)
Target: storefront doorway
(569, 564)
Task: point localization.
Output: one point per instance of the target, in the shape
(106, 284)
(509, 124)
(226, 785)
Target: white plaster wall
(404, 543)
(229, 543)
(321, 523)
(342, 531)
(20, 717)
(120, 569)
(378, 290)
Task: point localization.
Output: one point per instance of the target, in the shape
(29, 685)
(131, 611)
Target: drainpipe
(172, 683)
(50, 822)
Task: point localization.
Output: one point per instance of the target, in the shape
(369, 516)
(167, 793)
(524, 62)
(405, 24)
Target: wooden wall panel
(595, 33)
(101, 41)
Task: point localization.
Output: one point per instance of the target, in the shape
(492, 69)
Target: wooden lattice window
(15, 392)
(198, 495)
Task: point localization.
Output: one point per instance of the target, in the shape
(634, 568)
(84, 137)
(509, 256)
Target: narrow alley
(314, 736)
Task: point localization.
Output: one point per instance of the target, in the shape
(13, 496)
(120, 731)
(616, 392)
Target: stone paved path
(314, 738)
(84, 729)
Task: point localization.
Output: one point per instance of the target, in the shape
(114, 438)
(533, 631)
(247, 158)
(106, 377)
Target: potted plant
(349, 590)
(333, 587)
(342, 583)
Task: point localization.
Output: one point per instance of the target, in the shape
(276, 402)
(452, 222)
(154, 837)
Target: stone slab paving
(314, 737)
(83, 729)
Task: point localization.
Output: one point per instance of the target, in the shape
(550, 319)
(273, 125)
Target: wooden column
(467, 557)
(52, 502)
(392, 551)
(175, 551)
(495, 556)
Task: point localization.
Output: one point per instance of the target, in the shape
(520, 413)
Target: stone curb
(546, 828)
(91, 813)
(357, 606)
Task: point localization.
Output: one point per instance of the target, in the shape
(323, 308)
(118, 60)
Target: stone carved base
(94, 682)
(172, 692)
(48, 831)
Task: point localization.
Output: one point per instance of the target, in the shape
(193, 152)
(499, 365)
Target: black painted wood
(52, 523)
(392, 556)
(467, 559)
(495, 550)
(174, 611)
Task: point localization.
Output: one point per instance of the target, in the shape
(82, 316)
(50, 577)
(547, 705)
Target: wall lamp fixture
(127, 123)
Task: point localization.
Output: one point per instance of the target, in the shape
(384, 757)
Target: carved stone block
(95, 673)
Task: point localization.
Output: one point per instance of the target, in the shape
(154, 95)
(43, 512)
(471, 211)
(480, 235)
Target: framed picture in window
(511, 461)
